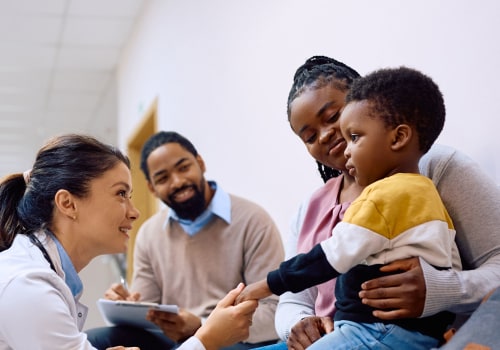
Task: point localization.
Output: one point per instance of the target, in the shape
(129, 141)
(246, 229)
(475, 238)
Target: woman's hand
(227, 324)
(307, 331)
(396, 296)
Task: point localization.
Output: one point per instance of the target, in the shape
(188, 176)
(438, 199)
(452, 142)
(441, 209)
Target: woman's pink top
(323, 213)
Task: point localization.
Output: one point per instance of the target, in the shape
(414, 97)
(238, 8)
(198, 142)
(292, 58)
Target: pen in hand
(119, 291)
(124, 283)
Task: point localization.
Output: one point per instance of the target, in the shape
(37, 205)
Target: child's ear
(402, 135)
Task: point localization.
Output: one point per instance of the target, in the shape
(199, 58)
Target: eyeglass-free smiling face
(314, 117)
(177, 178)
(103, 218)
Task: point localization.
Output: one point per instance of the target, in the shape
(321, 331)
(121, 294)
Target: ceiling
(57, 71)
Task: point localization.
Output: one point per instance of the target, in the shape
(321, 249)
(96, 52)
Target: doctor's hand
(254, 291)
(227, 324)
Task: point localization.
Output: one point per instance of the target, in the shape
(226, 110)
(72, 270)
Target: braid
(315, 73)
(326, 172)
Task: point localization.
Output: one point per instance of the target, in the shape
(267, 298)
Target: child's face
(314, 117)
(368, 149)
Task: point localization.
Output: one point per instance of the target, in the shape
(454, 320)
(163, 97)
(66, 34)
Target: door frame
(142, 198)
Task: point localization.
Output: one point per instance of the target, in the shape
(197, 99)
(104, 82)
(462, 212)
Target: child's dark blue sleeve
(301, 272)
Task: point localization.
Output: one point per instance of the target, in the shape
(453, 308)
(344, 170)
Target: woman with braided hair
(314, 105)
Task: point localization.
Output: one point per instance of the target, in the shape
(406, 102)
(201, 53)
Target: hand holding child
(227, 324)
(254, 291)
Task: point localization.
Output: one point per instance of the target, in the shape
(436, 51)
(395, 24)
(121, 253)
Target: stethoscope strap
(34, 239)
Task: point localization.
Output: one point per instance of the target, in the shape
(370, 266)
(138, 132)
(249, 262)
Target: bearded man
(194, 251)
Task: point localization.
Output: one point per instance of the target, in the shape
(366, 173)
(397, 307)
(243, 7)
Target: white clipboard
(131, 313)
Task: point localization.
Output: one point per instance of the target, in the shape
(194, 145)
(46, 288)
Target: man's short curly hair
(159, 139)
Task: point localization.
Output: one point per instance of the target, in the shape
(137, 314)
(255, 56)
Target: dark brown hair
(67, 162)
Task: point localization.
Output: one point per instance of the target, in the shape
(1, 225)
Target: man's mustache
(185, 187)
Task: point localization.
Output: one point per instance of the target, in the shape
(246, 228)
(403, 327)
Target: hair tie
(27, 176)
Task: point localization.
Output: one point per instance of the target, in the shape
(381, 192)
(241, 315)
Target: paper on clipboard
(131, 313)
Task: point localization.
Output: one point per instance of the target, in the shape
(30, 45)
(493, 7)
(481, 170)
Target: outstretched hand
(254, 291)
(401, 295)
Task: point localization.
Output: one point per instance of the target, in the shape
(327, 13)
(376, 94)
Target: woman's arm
(472, 199)
(41, 313)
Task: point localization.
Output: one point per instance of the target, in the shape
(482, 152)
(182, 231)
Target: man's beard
(191, 208)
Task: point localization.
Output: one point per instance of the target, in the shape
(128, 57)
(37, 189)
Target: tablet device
(131, 313)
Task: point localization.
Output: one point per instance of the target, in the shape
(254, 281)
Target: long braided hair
(318, 72)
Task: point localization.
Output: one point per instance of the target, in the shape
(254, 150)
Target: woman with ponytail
(73, 205)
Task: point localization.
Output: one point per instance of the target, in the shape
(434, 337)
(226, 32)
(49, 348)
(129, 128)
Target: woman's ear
(64, 201)
(402, 135)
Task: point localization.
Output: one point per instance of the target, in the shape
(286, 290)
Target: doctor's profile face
(106, 214)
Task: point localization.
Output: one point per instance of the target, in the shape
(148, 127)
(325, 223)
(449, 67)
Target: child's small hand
(254, 291)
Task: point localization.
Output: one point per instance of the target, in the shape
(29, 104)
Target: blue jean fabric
(277, 346)
(350, 335)
(482, 327)
(363, 336)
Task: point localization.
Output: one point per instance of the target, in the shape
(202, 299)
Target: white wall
(222, 71)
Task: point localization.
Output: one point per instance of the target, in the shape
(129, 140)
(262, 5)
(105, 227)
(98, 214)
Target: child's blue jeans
(348, 335)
